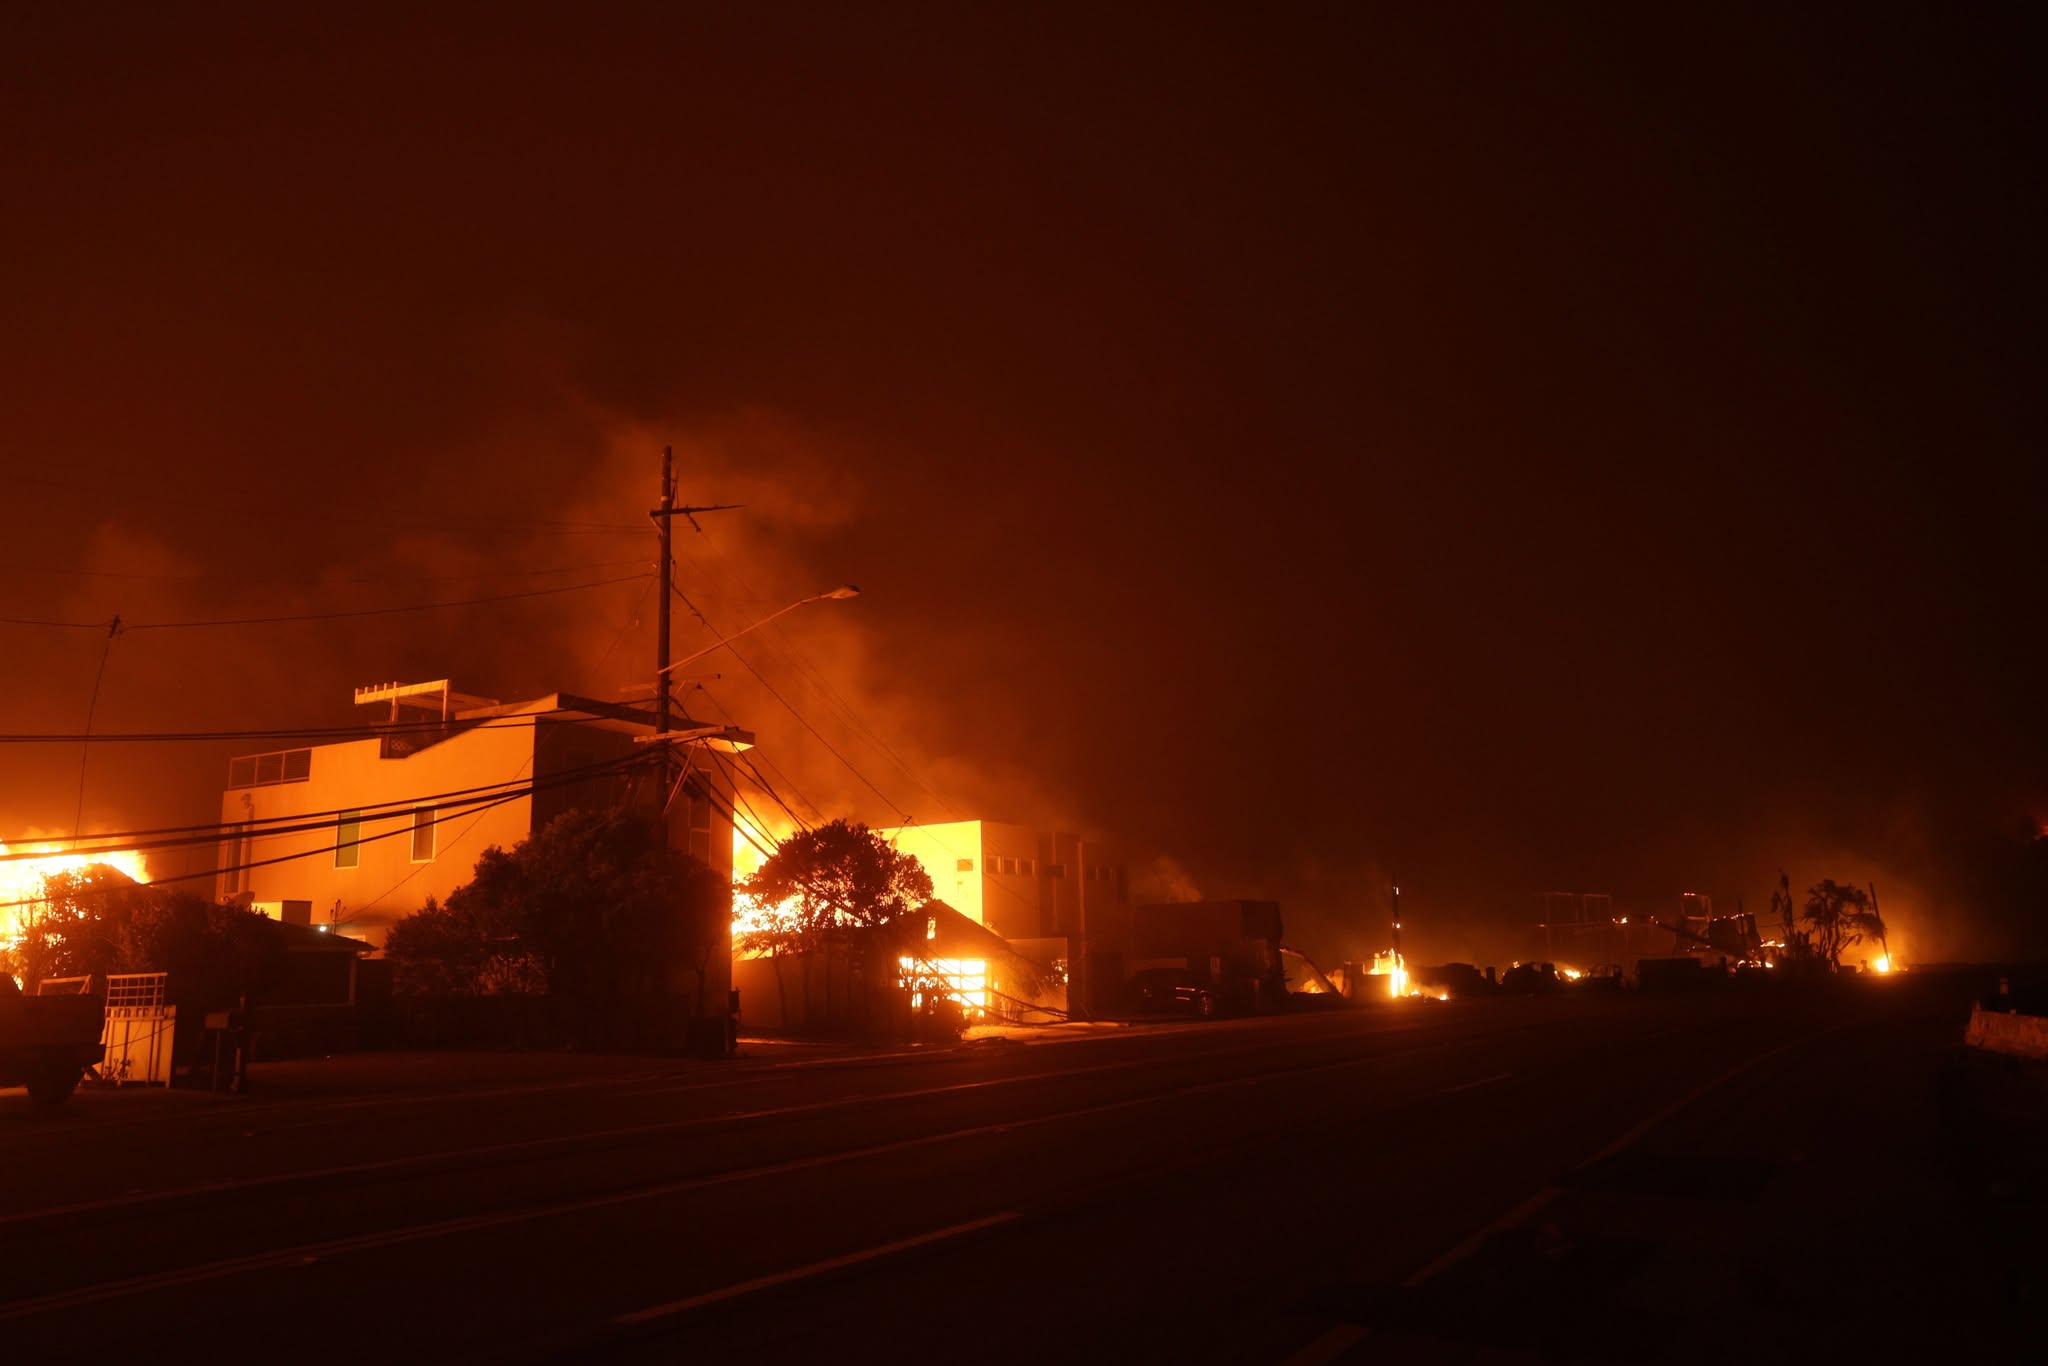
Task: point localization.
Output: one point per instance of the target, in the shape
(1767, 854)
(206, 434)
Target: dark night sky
(1510, 447)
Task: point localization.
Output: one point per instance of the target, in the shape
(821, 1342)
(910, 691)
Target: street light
(843, 591)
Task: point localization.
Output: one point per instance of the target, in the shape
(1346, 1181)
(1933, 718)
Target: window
(262, 770)
(423, 834)
(1009, 864)
(1055, 870)
(348, 835)
(1024, 866)
(965, 865)
(233, 854)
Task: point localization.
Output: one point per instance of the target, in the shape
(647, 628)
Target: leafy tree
(592, 907)
(1840, 916)
(833, 886)
(97, 921)
(827, 884)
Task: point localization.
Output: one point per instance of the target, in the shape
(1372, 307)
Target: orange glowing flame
(748, 913)
(1393, 967)
(962, 979)
(21, 879)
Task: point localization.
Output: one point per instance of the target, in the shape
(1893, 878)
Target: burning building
(1062, 903)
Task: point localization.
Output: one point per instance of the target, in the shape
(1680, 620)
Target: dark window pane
(347, 831)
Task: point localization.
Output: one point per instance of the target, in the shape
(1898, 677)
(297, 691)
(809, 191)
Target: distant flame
(21, 880)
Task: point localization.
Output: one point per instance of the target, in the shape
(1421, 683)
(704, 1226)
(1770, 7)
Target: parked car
(1176, 991)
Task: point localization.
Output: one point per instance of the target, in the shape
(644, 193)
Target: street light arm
(845, 592)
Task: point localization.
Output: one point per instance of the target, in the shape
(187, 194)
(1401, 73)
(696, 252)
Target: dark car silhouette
(1175, 991)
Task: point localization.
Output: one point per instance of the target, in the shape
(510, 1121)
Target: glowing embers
(961, 979)
(21, 879)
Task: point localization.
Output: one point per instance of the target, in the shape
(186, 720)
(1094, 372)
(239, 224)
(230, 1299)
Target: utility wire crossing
(211, 622)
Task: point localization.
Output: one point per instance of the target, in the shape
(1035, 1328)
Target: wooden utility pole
(665, 567)
(664, 517)
(700, 1040)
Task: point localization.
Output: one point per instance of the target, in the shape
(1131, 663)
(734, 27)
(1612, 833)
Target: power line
(103, 889)
(382, 611)
(300, 822)
(792, 656)
(325, 616)
(58, 625)
(469, 809)
(68, 571)
(732, 771)
(525, 764)
(787, 781)
(816, 734)
(574, 716)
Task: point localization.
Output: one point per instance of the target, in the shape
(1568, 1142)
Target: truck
(47, 1042)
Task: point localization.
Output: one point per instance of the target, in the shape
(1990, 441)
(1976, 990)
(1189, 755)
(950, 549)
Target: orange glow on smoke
(21, 880)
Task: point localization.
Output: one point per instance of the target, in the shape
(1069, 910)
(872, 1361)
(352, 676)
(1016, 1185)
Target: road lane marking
(1473, 1085)
(443, 1156)
(830, 1264)
(1477, 1239)
(1529, 1207)
(309, 1253)
(1643, 1130)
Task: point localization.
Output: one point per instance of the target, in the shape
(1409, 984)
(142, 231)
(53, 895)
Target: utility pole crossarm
(662, 515)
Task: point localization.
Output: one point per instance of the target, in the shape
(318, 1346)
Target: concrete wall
(2023, 1036)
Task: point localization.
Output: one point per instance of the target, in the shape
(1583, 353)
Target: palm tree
(1841, 916)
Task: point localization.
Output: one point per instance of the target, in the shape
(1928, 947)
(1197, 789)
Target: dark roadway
(1491, 1180)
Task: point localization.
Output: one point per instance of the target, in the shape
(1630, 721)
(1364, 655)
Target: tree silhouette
(829, 883)
(832, 886)
(1841, 915)
(590, 907)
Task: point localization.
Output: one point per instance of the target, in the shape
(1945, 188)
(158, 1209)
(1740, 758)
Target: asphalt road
(1496, 1180)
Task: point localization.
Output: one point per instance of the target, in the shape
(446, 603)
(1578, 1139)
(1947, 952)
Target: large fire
(21, 879)
(748, 913)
